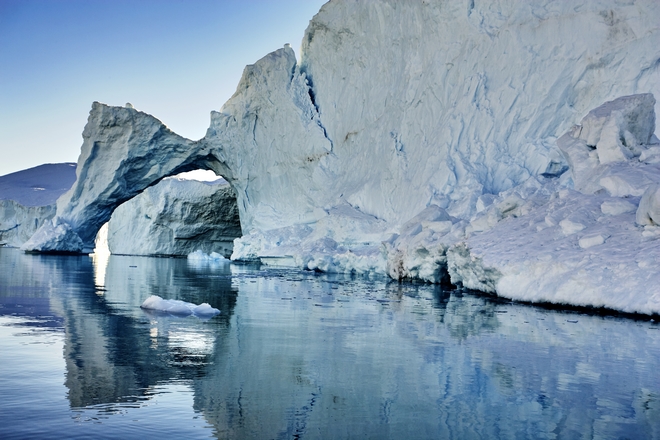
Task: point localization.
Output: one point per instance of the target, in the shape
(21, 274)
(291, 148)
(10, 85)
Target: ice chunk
(616, 206)
(569, 227)
(623, 185)
(648, 212)
(214, 257)
(591, 240)
(617, 128)
(54, 236)
(177, 307)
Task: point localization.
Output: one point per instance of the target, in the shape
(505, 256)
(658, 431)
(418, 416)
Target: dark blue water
(302, 355)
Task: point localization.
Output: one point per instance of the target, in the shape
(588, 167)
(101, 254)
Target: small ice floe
(178, 308)
(213, 257)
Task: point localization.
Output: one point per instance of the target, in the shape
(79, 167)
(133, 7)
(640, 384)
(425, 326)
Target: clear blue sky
(174, 59)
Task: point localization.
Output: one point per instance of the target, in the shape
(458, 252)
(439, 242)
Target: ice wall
(423, 103)
(437, 102)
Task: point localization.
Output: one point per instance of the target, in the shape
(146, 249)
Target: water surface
(304, 355)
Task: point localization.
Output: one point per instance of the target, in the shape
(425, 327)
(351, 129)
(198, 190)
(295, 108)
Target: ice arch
(267, 142)
(124, 152)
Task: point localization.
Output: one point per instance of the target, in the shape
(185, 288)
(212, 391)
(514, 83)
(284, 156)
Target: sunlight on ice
(101, 257)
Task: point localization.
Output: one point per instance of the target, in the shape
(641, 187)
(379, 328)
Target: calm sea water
(303, 355)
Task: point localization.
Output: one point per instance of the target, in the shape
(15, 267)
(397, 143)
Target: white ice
(199, 255)
(178, 308)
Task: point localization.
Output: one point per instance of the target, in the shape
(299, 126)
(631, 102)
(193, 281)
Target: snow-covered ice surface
(599, 246)
(178, 308)
(401, 122)
(600, 260)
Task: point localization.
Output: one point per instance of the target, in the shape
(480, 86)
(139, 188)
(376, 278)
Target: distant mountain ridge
(38, 186)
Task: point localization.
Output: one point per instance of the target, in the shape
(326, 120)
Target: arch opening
(183, 213)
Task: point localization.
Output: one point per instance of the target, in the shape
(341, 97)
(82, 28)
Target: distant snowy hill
(38, 186)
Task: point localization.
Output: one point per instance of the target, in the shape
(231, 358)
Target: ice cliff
(401, 122)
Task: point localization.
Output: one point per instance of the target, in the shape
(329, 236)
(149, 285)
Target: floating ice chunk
(205, 309)
(617, 206)
(177, 307)
(648, 212)
(214, 257)
(569, 227)
(591, 240)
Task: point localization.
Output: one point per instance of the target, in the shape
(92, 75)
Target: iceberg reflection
(304, 354)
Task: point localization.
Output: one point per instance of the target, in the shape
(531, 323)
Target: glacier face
(175, 218)
(400, 123)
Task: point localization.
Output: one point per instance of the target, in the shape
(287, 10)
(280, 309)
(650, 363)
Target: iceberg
(426, 140)
(176, 307)
(124, 152)
(18, 222)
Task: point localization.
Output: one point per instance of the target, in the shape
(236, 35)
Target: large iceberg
(399, 124)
